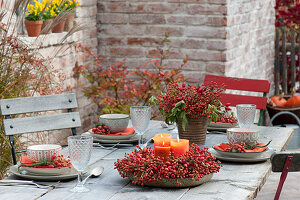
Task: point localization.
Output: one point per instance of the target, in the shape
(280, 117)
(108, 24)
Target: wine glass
(140, 118)
(80, 149)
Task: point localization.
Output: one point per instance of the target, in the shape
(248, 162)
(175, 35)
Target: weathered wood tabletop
(234, 181)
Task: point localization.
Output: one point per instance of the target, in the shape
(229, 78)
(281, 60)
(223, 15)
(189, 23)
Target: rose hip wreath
(141, 166)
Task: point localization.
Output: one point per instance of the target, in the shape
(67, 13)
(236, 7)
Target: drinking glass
(80, 149)
(140, 118)
(245, 115)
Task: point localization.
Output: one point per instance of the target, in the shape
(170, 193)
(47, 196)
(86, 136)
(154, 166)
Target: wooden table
(234, 181)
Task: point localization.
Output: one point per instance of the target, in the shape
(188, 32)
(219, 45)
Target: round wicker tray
(171, 183)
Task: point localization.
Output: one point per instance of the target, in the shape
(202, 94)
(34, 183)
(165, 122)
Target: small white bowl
(115, 122)
(238, 135)
(43, 152)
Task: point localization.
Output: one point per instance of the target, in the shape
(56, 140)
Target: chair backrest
(13, 126)
(284, 162)
(278, 160)
(250, 85)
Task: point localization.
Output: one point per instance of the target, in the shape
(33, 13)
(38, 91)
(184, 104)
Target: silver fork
(21, 182)
(107, 148)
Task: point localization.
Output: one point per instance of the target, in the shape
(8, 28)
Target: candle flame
(163, 143)
(161, 135)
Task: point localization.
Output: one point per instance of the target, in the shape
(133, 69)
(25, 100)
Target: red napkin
(25, 160)
(223, 146)
(127, 131)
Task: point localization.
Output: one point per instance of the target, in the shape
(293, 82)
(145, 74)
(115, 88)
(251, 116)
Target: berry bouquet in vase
(190, 107)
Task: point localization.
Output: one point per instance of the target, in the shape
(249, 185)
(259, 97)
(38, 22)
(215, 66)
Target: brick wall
(231, 37)
(250, 39)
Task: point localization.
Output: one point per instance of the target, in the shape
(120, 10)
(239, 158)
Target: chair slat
(278, 160)
(38, 104)
(41, 123)
(235, 99)
(252, 85)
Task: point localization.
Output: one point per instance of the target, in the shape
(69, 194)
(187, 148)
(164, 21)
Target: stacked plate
(218, 126)
(113, 139)
(242, 156)
(44, 174)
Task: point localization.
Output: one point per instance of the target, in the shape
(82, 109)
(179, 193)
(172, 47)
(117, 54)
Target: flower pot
(59, 28)
(69, 23)
(46, 26)
(195, 130)
(33, 28)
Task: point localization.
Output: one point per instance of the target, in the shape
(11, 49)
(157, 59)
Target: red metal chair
(284, 162)
(241, 84)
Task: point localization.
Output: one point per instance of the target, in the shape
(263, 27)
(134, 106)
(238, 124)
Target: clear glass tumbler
(140, 118)
(80, 149)
(245, 115)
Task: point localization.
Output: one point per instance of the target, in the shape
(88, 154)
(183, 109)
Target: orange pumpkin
(293, 100)
(279, 100)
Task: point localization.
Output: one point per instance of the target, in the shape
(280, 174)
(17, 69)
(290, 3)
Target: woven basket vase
(195, 130)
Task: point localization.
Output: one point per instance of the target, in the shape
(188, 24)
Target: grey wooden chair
(21, 125)
(284, 162)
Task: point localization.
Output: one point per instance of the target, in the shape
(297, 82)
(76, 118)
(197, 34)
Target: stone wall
(230, 37)
(68, 56)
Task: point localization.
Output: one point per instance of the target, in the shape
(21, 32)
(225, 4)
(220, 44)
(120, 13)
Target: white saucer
(132, 139)
(47, 171)
(111, 137)
(262, 157)
(71, 175)
(240, 154)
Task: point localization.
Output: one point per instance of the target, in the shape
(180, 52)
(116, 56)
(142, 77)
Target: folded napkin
(25, 160)
(127, 131)
(223, 146)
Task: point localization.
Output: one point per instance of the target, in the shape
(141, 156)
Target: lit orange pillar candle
(179, 147)
(162, 140)
(162, 151)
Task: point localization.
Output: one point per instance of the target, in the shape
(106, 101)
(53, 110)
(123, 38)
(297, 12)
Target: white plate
(240, 154)
(47, 171)
(262, 157)
(71, 175)
(111, 137)
(222, 125)
(132, 139)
